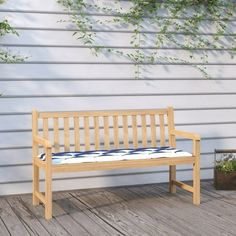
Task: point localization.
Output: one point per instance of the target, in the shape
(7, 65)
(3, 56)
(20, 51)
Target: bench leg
(196, 183)
(35, 184)
(172, 176)
(48, 194)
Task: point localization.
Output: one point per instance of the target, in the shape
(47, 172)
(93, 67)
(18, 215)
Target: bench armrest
(192, 136)
(39, 140)
(186, 135)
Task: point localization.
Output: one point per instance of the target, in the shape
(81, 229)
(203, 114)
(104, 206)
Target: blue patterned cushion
(115, 155)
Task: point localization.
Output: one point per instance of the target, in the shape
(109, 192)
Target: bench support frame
(49, 168)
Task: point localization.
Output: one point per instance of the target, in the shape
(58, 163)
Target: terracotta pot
(225, 181)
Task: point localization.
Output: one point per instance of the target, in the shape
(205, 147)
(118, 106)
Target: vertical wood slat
(125, 131)
(56, 134)
(144, 131)
(66, 134)
(76, 133)
(171, 126)
(45, 128)
(135, 131)
(86, 133)
(153, 131)
(116, 131)
(106, 133)
(162, 130)
(96, 132)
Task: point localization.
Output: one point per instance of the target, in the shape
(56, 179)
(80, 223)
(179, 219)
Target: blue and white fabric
(115, 155)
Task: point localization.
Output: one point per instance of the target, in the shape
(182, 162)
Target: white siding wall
(62, 75)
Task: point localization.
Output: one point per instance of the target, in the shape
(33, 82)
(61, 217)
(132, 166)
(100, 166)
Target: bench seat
(115, 155)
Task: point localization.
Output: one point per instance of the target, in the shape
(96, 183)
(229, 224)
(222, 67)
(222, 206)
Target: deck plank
(82, 215)
(164, 222)
(52, 226)
(180, 210)
(103, 206)
(207, 214)
(26, 217)
(131, 210)
(224, 195)
(3, 229)
(13, 224)
(136, 218)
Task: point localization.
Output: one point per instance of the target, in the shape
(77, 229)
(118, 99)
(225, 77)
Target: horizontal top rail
(102, 113)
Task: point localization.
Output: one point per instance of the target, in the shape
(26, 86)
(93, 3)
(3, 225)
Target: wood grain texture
(125, 131)
(96, 132)
(131, 210)
(86, 133)
(153, 131)
(135, 131)
(106, 133)
(66, 134)
(116, 131)
(76, 133)
(56, 134)
(144, 130)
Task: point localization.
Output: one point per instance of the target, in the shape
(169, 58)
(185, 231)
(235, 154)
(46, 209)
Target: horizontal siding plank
(117, 87)
(82, 55)
(51, 5)
(111, 71)
(124, 101)
(63, 37)
(53, 21)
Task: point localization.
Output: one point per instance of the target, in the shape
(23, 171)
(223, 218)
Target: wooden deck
(136, 210)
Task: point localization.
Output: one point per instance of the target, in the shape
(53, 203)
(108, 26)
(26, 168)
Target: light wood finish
(103, 113)
(41, 197)
(135, 131)
(184, 134)
(116, 131)
(66, 134)
(125, 131)
(162, 130)
(48, 185)
(109, 165)
(106, 133)
(35, 153)
(96, 132)
(172, 143)
(183, 185)
(172, 178)
(56, 134)
(45, 128)
(106, 115)
(171, 126)
(144, 131)
(153, 131)
(77, 133)
(86, 133)
(196, 173)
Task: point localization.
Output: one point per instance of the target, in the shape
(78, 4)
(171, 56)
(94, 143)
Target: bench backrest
(93, 130)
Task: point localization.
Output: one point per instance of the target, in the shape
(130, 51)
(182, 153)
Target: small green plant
(6, 55)
(177, 24)
(227, 164)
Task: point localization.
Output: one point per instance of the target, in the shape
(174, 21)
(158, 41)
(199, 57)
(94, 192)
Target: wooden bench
(55, 132)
